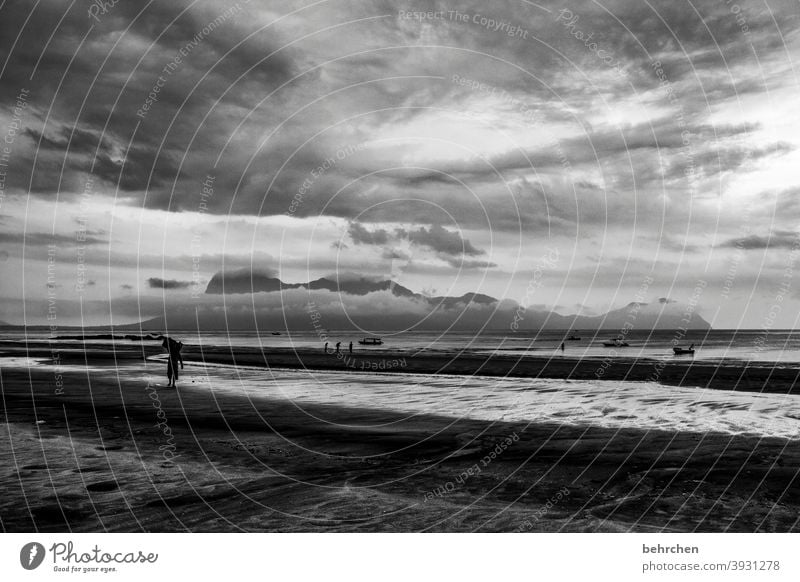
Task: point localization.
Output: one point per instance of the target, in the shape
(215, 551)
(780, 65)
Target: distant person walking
(337, 346)
(562, 347)
(351, 347)
(326, 347)
(173, 358)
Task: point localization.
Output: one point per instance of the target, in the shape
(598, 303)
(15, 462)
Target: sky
(571, 156)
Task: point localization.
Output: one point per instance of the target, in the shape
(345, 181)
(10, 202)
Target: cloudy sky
(147, 146)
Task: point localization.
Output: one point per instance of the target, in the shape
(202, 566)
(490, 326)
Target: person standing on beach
(351, 347)
(326, 347)
(337, 346)
(173, 357)
(562, 347)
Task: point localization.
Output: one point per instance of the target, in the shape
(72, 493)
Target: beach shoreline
(113, 451)
(766, 377)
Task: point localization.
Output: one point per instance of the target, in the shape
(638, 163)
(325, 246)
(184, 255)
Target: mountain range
(245, 282)
(264, 302)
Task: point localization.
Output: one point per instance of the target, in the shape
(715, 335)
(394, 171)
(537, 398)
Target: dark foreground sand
(93, 459)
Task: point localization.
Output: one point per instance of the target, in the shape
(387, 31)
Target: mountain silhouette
(245, 281)
(383, 305)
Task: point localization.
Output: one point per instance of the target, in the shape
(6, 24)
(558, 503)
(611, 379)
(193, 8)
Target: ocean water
(781, 346)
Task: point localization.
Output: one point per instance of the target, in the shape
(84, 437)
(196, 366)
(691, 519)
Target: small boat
(573, 338)
(616, 343)
(276, 333)
(370, 341)
(683, 351)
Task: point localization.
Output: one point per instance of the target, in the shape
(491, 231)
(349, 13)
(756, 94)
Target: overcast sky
(453, 151)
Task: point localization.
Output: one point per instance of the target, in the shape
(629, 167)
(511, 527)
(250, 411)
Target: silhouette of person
(326, 347)
(173, 357)
(351, 347)
(562, 347)
(337, 346)
(691, 347)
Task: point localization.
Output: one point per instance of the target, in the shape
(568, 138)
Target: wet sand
(680, 371)
(94, 458)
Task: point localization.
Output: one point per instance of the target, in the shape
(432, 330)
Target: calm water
(718, 345)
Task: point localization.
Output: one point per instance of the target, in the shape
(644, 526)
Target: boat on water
(276, 333)
(616, 343)
(370, 341)
(572, 337)
(678, 351)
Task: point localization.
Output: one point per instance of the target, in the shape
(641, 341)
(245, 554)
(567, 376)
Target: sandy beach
(111, 450)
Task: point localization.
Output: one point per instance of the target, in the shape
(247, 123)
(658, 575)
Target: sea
(736, 346)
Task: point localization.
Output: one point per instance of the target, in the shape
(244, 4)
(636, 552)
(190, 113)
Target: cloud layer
(438, 145)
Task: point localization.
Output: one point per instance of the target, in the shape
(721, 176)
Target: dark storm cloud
(780, 239)
(138, 170)
(167, 284)
(435, 238)
(448, 246)
(87, 152)
(787, 202)
(656, 135)
(361, 235)
(107, 78)
(43, 239)
(688, 38)
(711, 162)
(467, 264)
(395, 254)
(77, 140)
(441, 240)
(674, 243)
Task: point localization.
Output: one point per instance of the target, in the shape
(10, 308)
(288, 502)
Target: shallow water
(716, 345)
(610, 404)
(643, 405)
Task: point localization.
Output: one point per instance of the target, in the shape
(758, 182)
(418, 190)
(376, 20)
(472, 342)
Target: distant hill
(245, 281)
(666, 315)
(465, 298)
(383, 305)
